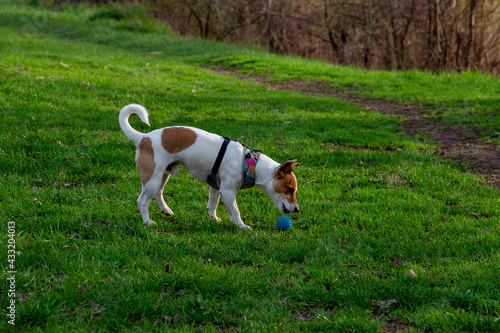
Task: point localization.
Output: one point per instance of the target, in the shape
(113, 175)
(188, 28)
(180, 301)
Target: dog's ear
(286, 168)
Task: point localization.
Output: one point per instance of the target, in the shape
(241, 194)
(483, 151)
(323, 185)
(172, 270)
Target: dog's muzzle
(286, 211)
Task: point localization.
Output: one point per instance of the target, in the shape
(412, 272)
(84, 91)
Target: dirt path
(453, 142)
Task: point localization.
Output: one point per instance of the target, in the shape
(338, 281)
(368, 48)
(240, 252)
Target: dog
(160, 152)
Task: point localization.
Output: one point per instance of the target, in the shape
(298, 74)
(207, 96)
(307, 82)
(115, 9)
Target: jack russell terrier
(226, 165)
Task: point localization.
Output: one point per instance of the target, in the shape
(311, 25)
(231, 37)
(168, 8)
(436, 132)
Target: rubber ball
(284, 223)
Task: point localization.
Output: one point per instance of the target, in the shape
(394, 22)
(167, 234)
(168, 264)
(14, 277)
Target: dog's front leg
(213, 202)
(229, 199)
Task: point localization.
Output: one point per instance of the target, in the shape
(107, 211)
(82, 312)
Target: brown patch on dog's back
(145, 161)
(176, 139)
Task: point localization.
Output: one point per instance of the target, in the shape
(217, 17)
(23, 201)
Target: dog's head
(284, 187)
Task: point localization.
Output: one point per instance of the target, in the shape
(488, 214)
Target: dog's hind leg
(213, 202)
(150, 178)
(159, 196)
(143, 203)
(153, 188)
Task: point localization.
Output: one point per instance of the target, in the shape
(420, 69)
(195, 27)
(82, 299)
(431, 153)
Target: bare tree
(388, 34)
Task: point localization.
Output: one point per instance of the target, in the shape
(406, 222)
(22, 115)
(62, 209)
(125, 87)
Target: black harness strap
(212, 175)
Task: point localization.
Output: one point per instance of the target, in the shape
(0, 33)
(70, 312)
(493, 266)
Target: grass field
(381, 217)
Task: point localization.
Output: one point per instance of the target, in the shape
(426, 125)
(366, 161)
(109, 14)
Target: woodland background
(435, 35)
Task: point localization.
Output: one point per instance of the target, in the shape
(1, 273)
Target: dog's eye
(291, 190)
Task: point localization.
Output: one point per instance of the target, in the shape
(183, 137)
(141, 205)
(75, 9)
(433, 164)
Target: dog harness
(250, 159)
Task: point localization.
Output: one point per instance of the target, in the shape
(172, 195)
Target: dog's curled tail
(125, 113)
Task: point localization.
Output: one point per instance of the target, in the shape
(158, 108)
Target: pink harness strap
(250, 160)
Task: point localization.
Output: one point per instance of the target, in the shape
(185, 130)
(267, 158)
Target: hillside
(390, 235)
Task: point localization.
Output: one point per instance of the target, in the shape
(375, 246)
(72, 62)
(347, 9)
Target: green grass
(374, 203)
(467, 99)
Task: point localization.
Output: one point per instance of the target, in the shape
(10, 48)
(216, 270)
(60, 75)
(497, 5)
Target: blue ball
(284, 223)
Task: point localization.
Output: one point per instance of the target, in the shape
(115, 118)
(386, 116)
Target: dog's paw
(215, 218)
(167, 211)
(245, 227)
(150, 223)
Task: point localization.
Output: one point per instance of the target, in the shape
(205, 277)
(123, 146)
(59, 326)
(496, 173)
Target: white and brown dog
(161, 151)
